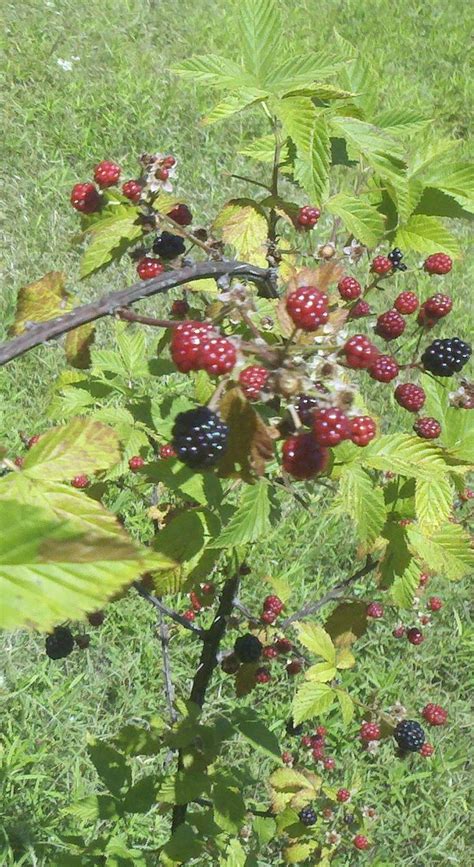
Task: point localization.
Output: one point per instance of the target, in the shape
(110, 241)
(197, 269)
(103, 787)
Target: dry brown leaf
(250, 443)
(78, 344)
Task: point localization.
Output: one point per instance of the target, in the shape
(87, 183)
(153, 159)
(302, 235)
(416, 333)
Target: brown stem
(173, 615)
(109, 304)
(131, 316)
(312, 607)
(164, 635)
(207, 663)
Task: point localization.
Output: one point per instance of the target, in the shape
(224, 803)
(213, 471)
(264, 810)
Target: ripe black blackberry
(307, 816)
(292, 729)
(248, 648)
(446, 357)
(168, 246)
(60, 643)
(305, 406)
(396, 257)
(199, 437)
(409, 735)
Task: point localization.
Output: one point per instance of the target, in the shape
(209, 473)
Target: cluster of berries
(61, 642)
(248, 649)
(272, 608)
(200, 346)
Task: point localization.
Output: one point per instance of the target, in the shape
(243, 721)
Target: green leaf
(54, 569)
(133, 740)
(233, 104)
(456, 179)
(229, 808)
(261, 149)
(82, 446)
(365, 138)
(95, 807)
(401, 121)
(131, 343)
(359, 218)
(214, 71)
(359, 497)
(312, 170)
(111, 238)
(346, 704)
(288, 76)
(317, 640)
(433, 501)
(298, 116)
(457, 425)
(141, 797)
(245, 227)
(404, 587)
(249, 724)
(250, 521)
(265, 829)
(447, 550)
(260, 37)
(406, 455)
(235, 856)
(436, 151)
(185, 786)
(311, 700)
(111, 767)
(357, 75)
(298, 853)
(427, 235)
(183, 845)
(435, 202)
(203, 487)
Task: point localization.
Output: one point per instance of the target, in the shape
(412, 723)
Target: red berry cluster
(307, 217)
(149, 267)
(272, 608)
(308, 307)
(252, 381)
(198, 346)
(438, 263)
(201, 597)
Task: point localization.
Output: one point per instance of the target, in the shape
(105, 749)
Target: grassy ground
(118, 100)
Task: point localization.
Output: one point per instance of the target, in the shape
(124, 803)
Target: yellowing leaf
(111, 237)
(77, 345)
(82, 446)
(344, 658)
(317, 640)
(346, 704)
(405, 585)
(42, 300)
(433, 502)
(322, 672)
(447, 550)
(245, 227)
(311, 700)
(347, 623)
(250, 444)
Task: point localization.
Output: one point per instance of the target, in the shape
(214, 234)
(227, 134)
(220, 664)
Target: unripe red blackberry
(303, 458)
(180, 308)
(81, 481)
(308, 307)
(293, 667)
(410, 396)
(321, 731)
(406, 303)
(32, 441)
(136, 463)
(166, 452)
(427, 428)
(360, 842)
(434, 714)
(268, 617)
(438, 263)
(262, 675)
(196, 603)
(106, 173)
(438, 306)
(148, 267)
(331, 426)
(208, 588)
(426, 751)
(306, 741)
(168, 162)
(270, 652)
(252, 381)
(318, 751)
(415, 635)
(85, 198)
(349, 288)
(399, 631)
(363, 430)
(216, 355)
(381, 265)
(369, 732)
(186, 342)
(287, 758)
(273, 603)
(360, 352)
(362, 308)
(390, 325)
(424, 579)
(384, 368)
(375, 610)
(343, 795)
(283, 645)
(307, 217)
(189, 615)
(181, 215)
(329, 763)
(434, 603)
(248, 648)
(132, 190)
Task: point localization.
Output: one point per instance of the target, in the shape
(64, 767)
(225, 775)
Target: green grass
(119, 100)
